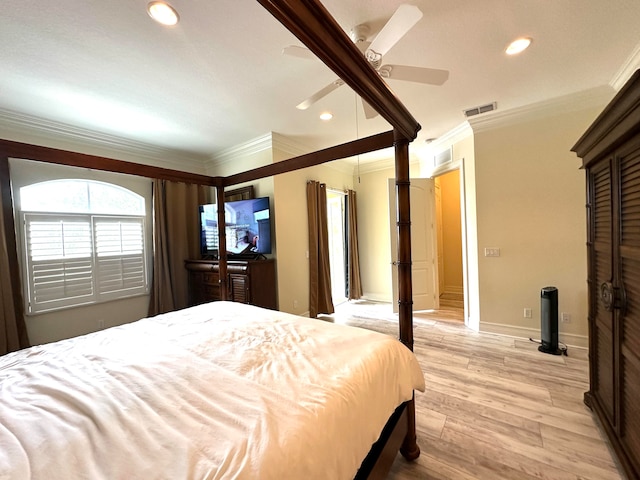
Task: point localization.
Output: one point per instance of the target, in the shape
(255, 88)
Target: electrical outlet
(295, 304)
(491, 252)
(565, 317)
(527, 313)
(101, 324)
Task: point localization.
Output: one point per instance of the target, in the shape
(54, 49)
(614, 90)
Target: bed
(312, 24)
(220, 390)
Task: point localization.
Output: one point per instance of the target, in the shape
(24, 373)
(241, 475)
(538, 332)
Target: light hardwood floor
(495, 408)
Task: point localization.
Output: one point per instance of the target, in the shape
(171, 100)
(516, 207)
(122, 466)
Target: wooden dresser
(610, 150)
(249, 281)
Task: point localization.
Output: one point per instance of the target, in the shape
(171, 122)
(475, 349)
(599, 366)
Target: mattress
(217, 391)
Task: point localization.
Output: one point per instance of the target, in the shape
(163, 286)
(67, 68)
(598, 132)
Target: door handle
(613, 298)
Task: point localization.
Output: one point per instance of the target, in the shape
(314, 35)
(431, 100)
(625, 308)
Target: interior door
(423, 261)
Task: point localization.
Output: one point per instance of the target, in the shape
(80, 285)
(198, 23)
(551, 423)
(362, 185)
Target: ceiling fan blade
(299, 52)
(430, 76)
(369, 112)
(403, 19)
(319, 94)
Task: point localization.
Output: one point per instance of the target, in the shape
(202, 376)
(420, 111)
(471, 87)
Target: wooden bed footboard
(377, 463)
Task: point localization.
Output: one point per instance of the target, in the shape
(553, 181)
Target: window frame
(132, 267)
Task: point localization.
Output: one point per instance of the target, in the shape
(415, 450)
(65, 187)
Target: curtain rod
(344, 191)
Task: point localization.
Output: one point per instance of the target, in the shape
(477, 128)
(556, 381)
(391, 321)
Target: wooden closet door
(602, 333)
(629, 311)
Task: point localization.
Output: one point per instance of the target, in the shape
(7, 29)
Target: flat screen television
(247, 228)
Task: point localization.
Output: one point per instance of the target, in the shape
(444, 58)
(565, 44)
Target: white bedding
(218, 391)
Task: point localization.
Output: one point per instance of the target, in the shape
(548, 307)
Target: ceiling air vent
(470, 112)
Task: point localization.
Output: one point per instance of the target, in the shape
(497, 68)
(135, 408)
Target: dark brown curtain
(13, 330)
(353, 257)
(319, 273)
(176, 238)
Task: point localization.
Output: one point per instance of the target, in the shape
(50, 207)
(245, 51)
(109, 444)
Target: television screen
(248, 227)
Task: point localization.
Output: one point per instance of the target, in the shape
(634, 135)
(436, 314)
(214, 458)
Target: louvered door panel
(629, 258)
(239, 285)
(629, 255)
(601, 258)
(630, 419)
(630, 318)
(601, 200)
(602, 234)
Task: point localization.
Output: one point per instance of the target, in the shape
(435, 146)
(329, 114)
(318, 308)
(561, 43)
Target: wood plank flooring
(495, 407)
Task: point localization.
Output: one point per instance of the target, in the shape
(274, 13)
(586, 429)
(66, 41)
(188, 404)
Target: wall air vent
(443, 157)
(470, 112)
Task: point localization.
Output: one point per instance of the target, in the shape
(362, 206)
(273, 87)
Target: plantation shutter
(80, 259)
(59, 260)
(119, 255)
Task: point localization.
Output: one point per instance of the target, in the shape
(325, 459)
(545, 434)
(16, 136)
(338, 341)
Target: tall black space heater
(549, 321)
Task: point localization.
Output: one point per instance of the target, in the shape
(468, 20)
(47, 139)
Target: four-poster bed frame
(313, 25)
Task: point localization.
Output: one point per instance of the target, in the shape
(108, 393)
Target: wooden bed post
(409, 448)
(222, 246)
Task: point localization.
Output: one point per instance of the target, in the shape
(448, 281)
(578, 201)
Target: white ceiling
(219, 79)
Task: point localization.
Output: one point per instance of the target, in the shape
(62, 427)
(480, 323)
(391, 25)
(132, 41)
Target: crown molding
(446, 140)
(594, 97)
(370, 166)
(288, 145)
(274, 141)
(250, 147)
(269, 141)
(626, 70)
(31, 129)
(293, 148)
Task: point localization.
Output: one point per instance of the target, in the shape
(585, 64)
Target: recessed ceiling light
(518, 46)
(326, 116)
(163, 13)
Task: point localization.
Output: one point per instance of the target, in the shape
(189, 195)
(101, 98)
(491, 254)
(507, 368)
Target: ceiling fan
(403, 19)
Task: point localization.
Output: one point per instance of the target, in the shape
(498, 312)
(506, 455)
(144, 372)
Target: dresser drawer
(210, 278)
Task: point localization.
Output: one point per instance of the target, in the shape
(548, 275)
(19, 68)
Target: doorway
(449, 239)
(337, 251)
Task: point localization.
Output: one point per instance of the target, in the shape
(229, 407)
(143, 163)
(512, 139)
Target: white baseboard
(376, 297)
(569, 339)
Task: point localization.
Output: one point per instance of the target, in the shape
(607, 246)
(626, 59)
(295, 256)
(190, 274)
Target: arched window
(83, 242)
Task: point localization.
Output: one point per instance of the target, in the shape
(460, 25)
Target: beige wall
(247, 161)
(292, 231)
(374, 231)
(530, 198)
